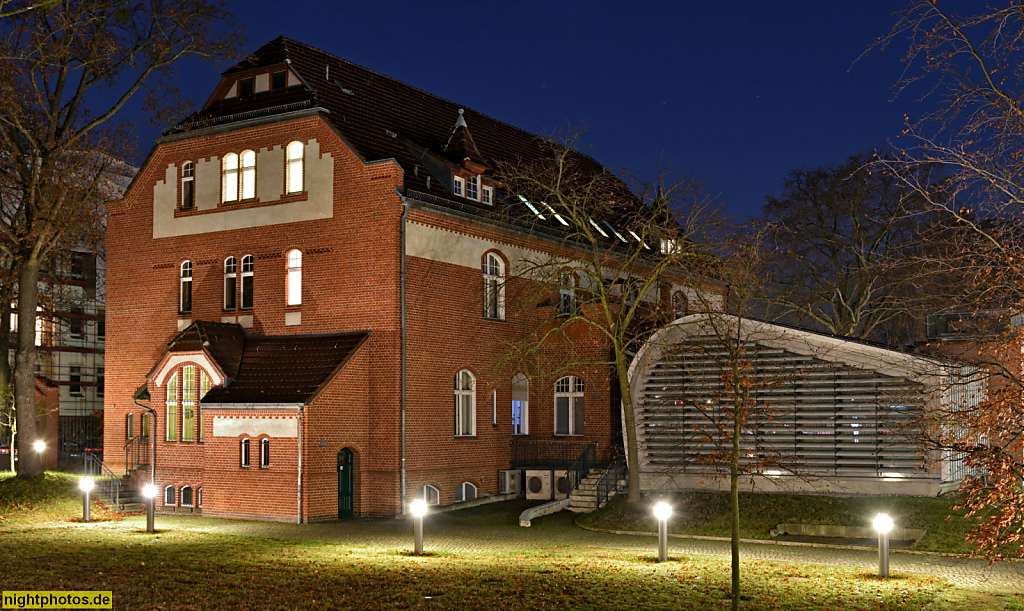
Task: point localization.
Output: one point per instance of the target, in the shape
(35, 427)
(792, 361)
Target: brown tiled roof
(223, 342)
(282, 369)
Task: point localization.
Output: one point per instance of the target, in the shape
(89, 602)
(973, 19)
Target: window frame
(188, 403)
(460, 493)
(679, 299)
(182, 492)
(185, 282)
(264, 453)
(487, 195)
(290, 165)
(205, 384)
(129, 425)
(520, 416)
(171, 412)
(247, 176)
(293, 278)
(199, 497)
(230, 284)
(247, 276)
(567, 294)
(230, 170)
(424, 493)
(574, 392)
(459, 186)
(473, 187)
(465, 404)
(493, 267)
(174, 496)
(188, 186)
(244, 447)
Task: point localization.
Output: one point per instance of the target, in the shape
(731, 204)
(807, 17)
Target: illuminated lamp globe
(149, 491)
(662, 511)
(39, 446)
(418, 508)
(86, 484)
(882, 523)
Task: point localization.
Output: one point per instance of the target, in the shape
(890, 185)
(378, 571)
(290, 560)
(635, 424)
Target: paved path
(479, 530)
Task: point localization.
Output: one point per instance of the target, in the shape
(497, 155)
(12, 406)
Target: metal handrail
(106, 481)
(546, 454)
(136, 453)
(580, 468)
(609, 481)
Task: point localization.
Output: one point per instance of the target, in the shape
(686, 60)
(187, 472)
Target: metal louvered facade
(825, 414)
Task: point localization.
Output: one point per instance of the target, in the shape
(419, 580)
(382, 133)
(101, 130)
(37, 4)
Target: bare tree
(67, 70)
(616, 254)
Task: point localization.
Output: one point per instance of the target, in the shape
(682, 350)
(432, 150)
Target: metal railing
(609, 482)
(106, 481)
(527, 454)
(136, 453)
(580, 468)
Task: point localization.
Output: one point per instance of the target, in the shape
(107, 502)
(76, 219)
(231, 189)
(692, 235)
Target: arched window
(229, 177)
(293, 168)
(247, 288)
(465, 404)
(129, 426)
(248, 174)
(186, 496)
(465, 492)
(679, 305)
(294, 277)
(188, 192)
(188, 403)
(494, 287)
(230, 283)
(245, 453)
(520, 405)
(567, 295)
(569, 406)
(169, 496)
(205, 383)
(430, 494)
(264, 453)
(186, 288)
(199, 497)
(172, 408)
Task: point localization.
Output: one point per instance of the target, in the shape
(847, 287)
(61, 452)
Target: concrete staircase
(584, 498)
(130, 497)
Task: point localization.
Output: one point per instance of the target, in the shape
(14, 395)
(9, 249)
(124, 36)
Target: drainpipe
(298, 514)
(152, 440)
(401, 438)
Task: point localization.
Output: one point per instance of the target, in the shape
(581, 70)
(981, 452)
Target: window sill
(568, 434)
(185, 313)
(465, 436)
(520, 434)
(493, 319)
(243, 466)
(264, 467)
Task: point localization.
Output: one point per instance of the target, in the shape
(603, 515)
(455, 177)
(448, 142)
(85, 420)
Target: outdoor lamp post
(149, 491)
(418, 508)
(86, 484)
(883, 524)
(39, 446)
(662, 511)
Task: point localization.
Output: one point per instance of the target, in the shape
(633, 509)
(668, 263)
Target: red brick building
(306, 289)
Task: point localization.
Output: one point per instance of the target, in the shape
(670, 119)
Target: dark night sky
(739, 93)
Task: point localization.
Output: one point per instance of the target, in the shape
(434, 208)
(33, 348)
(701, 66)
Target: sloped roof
(279, 369)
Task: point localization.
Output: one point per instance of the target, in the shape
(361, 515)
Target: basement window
(465, 492)
(430, 494)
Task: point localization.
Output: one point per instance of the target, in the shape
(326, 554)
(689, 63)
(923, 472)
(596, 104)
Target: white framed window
(172, 408)
(188, 403)
(244, 450)
(465, 404)
(145, 425)
(459, 186)
(264, 453)
(465, 492)
(520, 405)
(188, 186)
(679, 305)
(494, 406)
(567, 295)
(205, 383)
(185, 301)
(230, 283)
(199, 497)
(473, 187)
(186, 496)
(229, 178)
(293, 170)
(248, 174)
(247, 282)
(487, 195)
(430, 494)
(169, 496)
(129, 426)
(293, 280)
(494, 287)
(569, 406)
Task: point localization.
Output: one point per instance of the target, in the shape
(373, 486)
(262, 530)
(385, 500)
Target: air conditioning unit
(510, 481)
(538, 485)
(560, 485)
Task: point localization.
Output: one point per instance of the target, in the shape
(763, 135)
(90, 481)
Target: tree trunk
(24, 364)
(629, 423)
(734, 492)
(5, 337)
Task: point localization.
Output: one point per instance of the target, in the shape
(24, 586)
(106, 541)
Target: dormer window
(487, 195)
(459, 188)
(470, 188)
(473, 187)
(278, 80)
(245, 86)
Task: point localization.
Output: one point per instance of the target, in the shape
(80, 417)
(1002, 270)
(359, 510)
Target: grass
(194, 569)
(702, 513)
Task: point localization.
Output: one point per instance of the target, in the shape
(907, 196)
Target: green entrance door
(346, 466)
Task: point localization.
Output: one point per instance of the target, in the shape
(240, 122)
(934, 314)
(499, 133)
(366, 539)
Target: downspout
(298, 514)
(152, 439)
(401, 438)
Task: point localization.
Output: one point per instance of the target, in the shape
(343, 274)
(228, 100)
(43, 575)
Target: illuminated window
(185, 302)
(465, 404)
(188, 403)
(188, 194)
(230, 283)
(520, 405)
(248, 174)
(494, 287)
(204, 387)
(294, 277)
(569, 406)
(229, 178)
(172, 408)
(293, 168)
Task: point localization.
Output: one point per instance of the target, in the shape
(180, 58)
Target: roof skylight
(557, 216)
(532, 209)
(638, 239)
(617, 234)
(599, 230)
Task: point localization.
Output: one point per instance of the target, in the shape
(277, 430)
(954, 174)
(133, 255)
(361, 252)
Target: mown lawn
(49, 549)
(701, 513)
